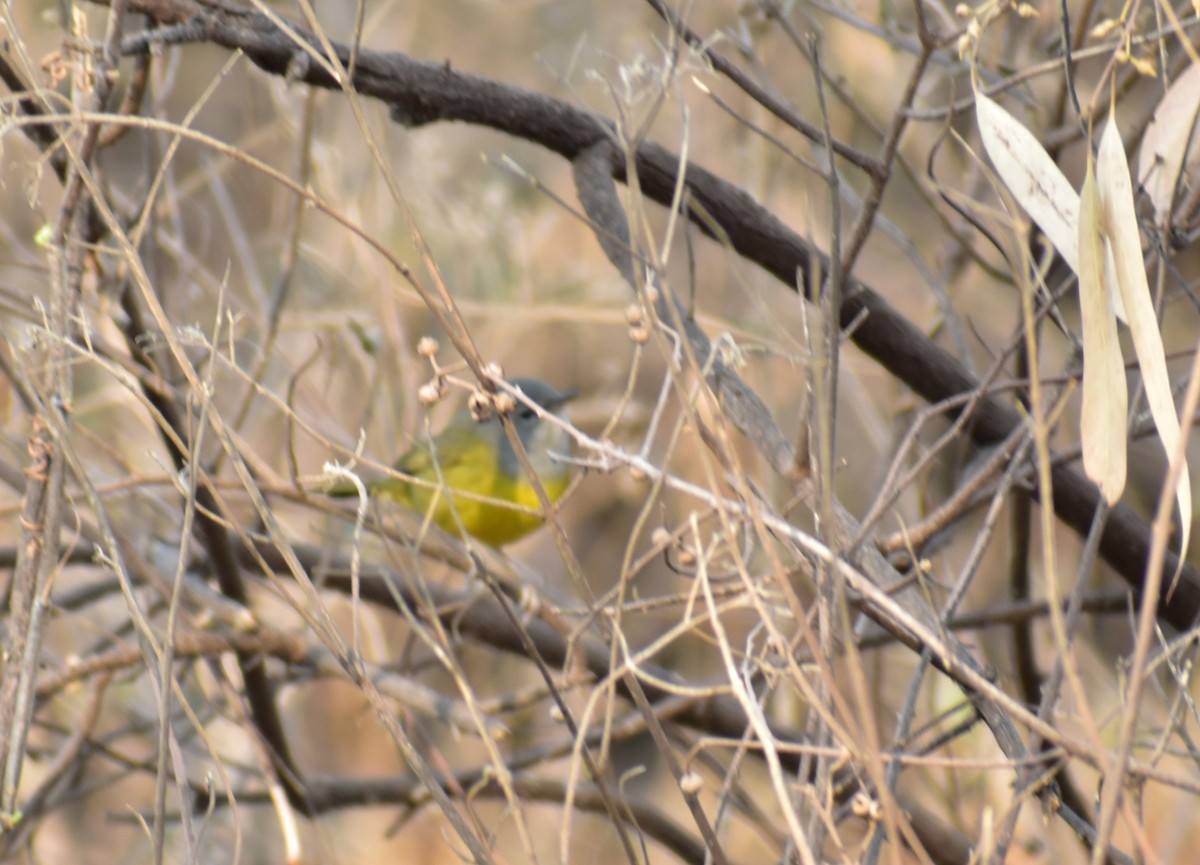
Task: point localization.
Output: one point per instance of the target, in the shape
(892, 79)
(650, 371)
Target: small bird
(491, 497)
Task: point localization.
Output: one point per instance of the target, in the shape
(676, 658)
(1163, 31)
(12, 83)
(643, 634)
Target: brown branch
(482, 620)
(423, 92)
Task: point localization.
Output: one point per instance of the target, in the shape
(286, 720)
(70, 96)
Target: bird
(471, 480)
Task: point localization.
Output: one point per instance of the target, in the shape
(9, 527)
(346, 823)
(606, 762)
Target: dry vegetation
(801, 383)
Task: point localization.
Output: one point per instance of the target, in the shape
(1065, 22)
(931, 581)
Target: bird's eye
(525, 412)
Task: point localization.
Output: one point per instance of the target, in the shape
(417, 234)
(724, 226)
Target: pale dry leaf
(1165, 145)
(1105, 395)
(1119, 220)
(1037, 184)
(1031, 176)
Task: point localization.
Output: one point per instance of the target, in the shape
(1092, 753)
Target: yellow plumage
(467, 463)
(468, 479)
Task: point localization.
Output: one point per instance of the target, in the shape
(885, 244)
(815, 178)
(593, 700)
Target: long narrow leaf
(1105, 395)
(1120, 224)
(1037, 184)
(1031, 176)
(1165, 144)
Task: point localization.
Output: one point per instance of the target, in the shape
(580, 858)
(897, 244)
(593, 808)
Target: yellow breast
(463, 490)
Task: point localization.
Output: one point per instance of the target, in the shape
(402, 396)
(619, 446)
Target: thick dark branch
(423, 92)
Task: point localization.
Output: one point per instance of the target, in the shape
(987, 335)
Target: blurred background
(306, 336)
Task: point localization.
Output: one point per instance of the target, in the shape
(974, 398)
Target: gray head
(539, 438)
(547, 397)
